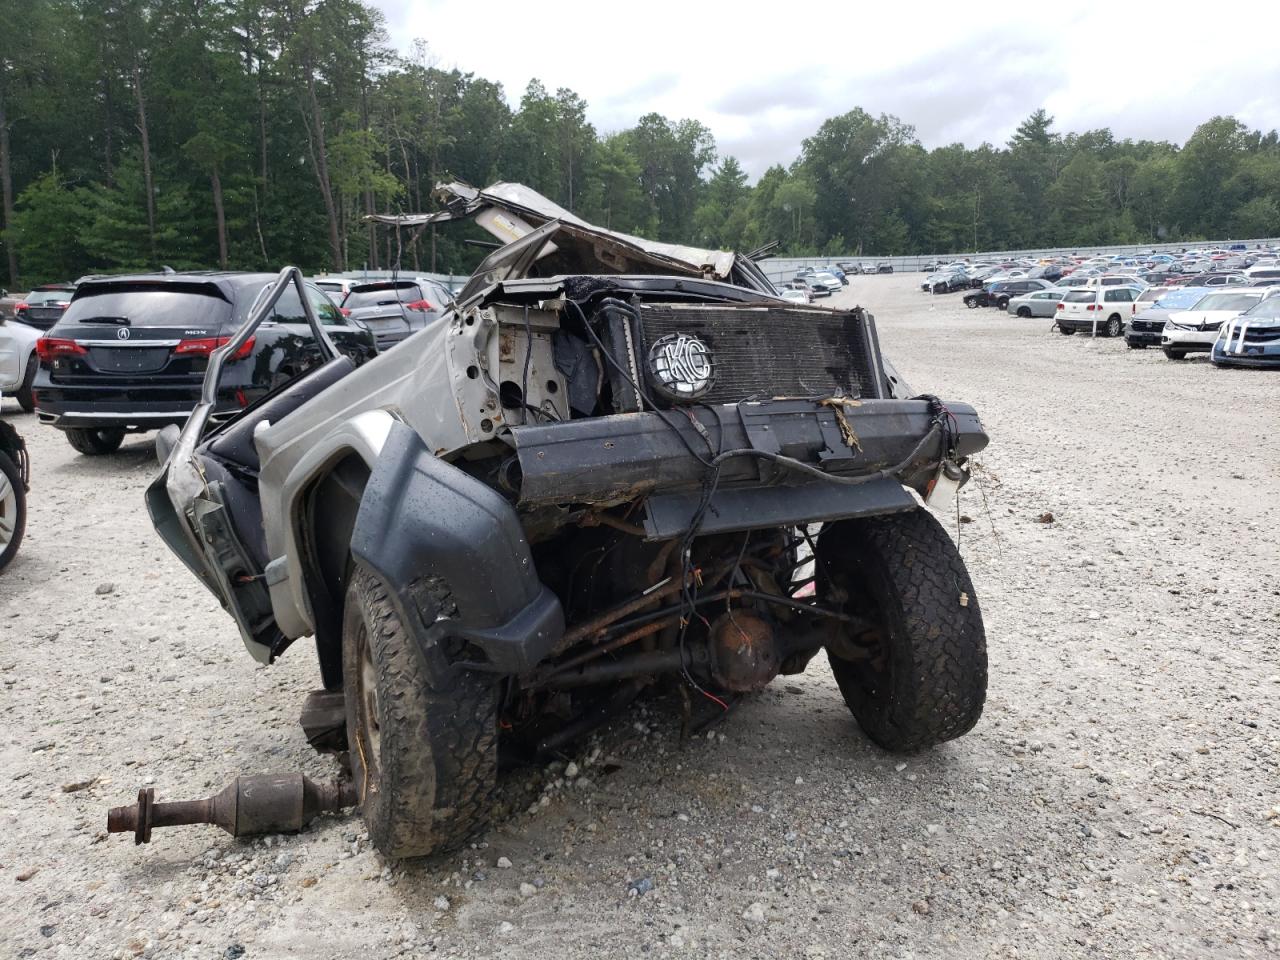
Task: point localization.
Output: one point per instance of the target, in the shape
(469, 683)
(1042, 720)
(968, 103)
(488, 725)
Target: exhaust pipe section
(266, 803)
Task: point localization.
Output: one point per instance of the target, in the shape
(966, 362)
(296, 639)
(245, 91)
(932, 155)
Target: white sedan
(1196, 329)
(17, 360)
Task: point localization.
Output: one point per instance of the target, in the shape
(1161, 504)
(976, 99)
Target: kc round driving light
(681, 366)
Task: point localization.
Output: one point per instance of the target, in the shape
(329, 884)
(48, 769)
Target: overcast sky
(764, 76)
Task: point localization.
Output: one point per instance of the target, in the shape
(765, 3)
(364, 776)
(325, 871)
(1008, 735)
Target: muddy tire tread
(940, 671)
(439, 738)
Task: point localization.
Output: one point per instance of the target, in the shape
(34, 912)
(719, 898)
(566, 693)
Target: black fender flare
(428, 529)
(13, 446)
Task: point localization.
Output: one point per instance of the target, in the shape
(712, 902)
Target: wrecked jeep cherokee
(611, 463)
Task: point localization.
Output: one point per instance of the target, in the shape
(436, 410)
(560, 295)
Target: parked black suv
(129, 354)
(999, 294)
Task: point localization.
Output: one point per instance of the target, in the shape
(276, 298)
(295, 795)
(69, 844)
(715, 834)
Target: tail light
(50, 348)
(344, 311)
(1062, 306)
(19, 308)
(203, 346)
(421, 305)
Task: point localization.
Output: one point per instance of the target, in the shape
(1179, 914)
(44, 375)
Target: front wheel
(94, 441)
(971, 302)
(1135, 346)
(1003, 303)
(13, 510)
(1024, 312)
(423, 735)
(914, 673)
(1175, 354)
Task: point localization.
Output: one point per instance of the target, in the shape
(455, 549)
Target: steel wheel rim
(8, 510)
(368, 729)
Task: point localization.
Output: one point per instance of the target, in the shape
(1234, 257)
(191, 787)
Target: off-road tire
(434, 772)
(925, 680)
(25, 397)
(18, 522)
(94, 441)
(1115, 326)
(1175, 354)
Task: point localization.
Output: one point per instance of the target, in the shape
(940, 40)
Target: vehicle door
(1113, 298)
(1043, 303)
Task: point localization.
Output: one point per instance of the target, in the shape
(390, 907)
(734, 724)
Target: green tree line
(252, 133)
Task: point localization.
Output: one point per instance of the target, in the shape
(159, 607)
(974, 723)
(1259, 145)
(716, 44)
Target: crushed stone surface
(1119, 798)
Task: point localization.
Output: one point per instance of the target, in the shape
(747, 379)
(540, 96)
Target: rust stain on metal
(744, 653)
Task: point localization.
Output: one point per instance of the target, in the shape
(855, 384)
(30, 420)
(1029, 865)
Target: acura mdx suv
(130, 353)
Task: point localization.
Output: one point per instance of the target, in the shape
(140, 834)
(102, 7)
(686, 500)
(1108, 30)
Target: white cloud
(763, 76)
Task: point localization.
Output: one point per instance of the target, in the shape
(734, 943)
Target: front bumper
(1188, 340)
(1245, 344)
(606, 460)
(1146, 338)
(1252, 355)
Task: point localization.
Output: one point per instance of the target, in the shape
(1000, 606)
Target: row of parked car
(107, 356)
(1232, 312)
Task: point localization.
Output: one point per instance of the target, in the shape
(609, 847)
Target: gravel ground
(1120, 797)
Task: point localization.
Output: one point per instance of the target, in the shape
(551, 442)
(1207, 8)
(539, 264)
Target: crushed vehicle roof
(512, 211)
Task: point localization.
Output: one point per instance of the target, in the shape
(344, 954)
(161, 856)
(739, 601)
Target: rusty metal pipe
(267, 803)
(609, 520)
(636, 665)
(632, 636)
(600, 622)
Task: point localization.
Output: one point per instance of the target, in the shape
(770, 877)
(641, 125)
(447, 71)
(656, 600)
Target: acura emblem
(122, 333)
(681, 366)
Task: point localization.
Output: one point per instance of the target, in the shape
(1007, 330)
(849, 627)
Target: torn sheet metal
(510, 211)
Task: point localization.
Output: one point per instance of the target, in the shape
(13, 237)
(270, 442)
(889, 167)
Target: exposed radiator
(767, 352)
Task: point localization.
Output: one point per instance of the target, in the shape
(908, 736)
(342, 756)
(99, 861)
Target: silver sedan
(1037, 303)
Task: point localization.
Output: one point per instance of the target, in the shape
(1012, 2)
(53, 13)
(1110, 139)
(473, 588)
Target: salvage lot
(1114, 800)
